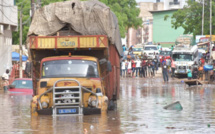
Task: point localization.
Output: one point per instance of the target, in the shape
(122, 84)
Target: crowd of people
(136, 67)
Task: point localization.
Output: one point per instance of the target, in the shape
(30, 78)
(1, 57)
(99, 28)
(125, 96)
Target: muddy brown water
(140, 111)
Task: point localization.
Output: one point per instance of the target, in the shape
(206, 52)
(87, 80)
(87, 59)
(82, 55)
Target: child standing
(189, 74)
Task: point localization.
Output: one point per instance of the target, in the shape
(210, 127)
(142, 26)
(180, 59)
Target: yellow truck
(73, 73)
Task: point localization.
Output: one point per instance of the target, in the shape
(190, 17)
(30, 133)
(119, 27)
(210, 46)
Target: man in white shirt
(5, 78)
(138, 66)
(123, 68)
(129, 71)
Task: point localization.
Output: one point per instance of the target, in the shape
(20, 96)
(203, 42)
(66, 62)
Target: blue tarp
(15, 57)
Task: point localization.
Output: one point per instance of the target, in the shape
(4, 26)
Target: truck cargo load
(82, 17)
(75, 49)
(184, 40)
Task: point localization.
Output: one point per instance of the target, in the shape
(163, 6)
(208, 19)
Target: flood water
(140, 111)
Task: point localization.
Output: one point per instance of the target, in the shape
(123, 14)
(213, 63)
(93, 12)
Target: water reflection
(140, 110)
(145, 113)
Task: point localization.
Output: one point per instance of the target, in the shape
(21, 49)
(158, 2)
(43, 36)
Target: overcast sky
(147, 0)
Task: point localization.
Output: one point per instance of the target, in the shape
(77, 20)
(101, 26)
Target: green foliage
(125, 10)
(25, 4)
(190, 18)
(166, 17)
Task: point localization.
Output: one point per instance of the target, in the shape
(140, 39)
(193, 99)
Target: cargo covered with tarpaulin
(84, 17)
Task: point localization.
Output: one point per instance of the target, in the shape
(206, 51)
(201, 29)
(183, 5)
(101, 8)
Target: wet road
(140, 110)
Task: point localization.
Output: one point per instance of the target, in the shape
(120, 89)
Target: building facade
(163, 32)
(150, 30)
(146, 31)
(174, 4)
(144, 34)
(8, 24)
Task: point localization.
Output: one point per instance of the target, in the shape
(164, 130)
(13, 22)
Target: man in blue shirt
(124, 48)
(159, 47)
(165, 72)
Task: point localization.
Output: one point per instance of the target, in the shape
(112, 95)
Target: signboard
(61, 42)
(67, 42)
(198, 37)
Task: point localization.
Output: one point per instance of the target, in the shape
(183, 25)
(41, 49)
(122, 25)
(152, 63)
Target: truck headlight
(92, 101)
(45, 105)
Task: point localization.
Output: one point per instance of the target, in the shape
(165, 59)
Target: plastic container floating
(174, 106)
(208, 67)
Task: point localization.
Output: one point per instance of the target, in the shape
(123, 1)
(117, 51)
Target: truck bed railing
(68, 42)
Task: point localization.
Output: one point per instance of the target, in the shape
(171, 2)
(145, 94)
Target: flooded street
(140, 110)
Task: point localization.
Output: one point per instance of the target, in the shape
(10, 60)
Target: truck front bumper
(86, 111)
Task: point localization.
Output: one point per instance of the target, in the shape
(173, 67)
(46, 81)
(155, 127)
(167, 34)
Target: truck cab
(150, 51)
(184, 57)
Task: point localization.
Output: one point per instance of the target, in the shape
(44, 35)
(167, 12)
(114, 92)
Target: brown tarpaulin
(85, 17)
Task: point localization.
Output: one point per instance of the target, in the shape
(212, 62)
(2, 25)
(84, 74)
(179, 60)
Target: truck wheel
(112, 105)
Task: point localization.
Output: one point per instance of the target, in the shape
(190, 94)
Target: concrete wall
(162, 30)
(5, 51)
(147, 29)
(8, 13)
(131, 37)
(8, 24)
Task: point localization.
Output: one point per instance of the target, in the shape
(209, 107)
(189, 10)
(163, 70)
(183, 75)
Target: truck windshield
(137, 49)
(69, 68)
(182, 57)
(165, 53)
(151, 48)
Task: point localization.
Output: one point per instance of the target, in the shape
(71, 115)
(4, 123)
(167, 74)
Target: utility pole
(20, 45)
(32, 8)
(38, 3)
(210, 27)
(203, 15)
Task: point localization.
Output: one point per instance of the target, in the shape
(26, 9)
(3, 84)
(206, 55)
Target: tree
(190, 18)
(25, 7)
(126, 12)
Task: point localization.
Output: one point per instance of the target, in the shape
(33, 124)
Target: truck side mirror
(102, 61)
(109, 67)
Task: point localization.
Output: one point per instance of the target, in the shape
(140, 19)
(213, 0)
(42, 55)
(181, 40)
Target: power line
(6, 5)
(26, 21)
(7, 17)
(11, 7)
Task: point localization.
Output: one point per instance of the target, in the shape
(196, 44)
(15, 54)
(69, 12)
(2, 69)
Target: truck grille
(182, 67)
(67, 100)
(67, 96)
